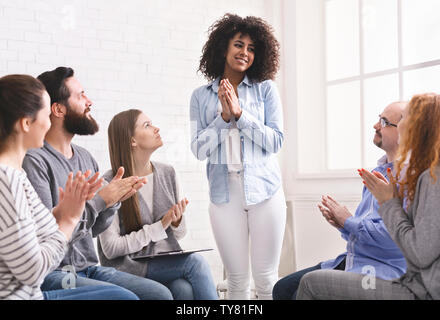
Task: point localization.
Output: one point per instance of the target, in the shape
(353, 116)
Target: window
(375, 52)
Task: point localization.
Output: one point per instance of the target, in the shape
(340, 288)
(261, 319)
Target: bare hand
(377, 184)
(226, 112)
(118, 189)
(181, 207)
(326, 214)
(168, 217)
(337, 213)
(231, 98)
(94, 183)
(134, 189)
(71, 203)
(174, 215)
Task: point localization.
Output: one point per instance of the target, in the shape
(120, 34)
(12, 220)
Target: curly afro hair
(267, 55)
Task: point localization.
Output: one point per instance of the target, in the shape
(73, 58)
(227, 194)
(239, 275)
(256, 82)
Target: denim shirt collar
(383, 161)
(216, 83)
(383, 165)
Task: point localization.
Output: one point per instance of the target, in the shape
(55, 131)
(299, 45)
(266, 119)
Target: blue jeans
(143, 288)
(91, 293)
(285, 288)
(187, 268)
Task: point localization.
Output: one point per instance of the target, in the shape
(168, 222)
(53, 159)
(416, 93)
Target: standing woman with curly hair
(416, 231)
(237, 125)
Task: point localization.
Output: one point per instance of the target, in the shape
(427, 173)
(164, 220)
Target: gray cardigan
(417, 233)
(165, 195)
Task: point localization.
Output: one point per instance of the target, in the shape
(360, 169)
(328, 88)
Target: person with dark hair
(414, 224)
(46, 168)
(151, 221)
(33, 240)
(57, 82)
(237, 124)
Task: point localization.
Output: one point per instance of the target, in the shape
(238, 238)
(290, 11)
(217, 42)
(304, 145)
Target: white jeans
(238, 228)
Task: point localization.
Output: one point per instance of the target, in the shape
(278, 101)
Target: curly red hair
(420, 142)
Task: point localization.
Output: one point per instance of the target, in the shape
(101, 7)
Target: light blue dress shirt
(369, 245)
(261, 137)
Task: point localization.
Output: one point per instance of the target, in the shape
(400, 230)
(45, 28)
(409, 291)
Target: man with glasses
(370, 249)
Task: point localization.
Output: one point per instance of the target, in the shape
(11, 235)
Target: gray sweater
(47, 169)
(116, 247)
(417, 233)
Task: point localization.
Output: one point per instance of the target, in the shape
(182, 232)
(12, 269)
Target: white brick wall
(127, 54)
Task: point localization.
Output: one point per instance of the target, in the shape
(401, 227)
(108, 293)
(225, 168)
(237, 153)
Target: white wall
(304, 151)
(129, 54)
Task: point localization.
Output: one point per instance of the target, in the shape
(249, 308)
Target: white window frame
(400, 69)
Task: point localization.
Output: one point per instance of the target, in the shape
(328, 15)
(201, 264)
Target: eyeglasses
(384, 122)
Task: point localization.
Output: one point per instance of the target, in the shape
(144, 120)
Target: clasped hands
(229, 101)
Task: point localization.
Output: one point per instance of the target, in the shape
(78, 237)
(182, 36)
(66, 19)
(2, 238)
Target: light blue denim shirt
(261, 135)
(369, 245)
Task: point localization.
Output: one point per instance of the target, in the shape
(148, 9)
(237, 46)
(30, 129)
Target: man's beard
(378, 143)
(80, 124)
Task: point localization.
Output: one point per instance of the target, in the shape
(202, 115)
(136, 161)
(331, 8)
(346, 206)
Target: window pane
(420, 30)
(343, 126)
(379, 92)
(342, 38)
(379, 23)
(421, 81)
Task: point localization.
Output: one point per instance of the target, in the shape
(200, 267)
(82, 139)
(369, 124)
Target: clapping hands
(72, 200)
(174, 215)
(378, 185)
(335, 213)
(120, 189)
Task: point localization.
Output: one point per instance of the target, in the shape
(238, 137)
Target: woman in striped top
(33, 240)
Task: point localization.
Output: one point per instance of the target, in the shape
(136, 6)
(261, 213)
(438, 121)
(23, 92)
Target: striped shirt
(31, 245)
